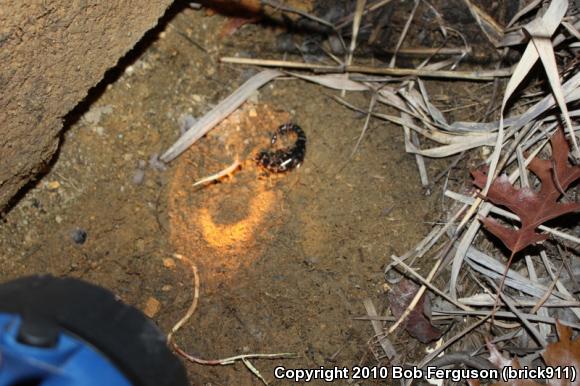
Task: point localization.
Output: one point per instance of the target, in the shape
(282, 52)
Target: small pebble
(139, 176)
(94, 115)
(169, 262)
(53, 185)
(58, 219)
(156, 163)
(79, 236)
(185, 121)
(152, 307)
(140, 245)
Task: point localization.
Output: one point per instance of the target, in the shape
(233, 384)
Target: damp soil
(285, 260)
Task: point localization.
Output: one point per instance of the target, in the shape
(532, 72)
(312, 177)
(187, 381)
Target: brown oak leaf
(561, 354)
(418, 323)
(533, 207)
(564, 353)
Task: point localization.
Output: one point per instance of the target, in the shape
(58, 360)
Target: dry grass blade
(528, 8)
(399, 262)
(535, 333)
(539, 304)
(571, 89)
(509, 315)
(417, 297)
(483, 75)
(358, 12)
(284, 8)
(492, 30)
(453, 143)
(559, 285)
(366, 124)
(333, 81)
(541, 32)
(404, 33)
(218, 113)
(435, 353)
(544, 27)
(494, 269)
(487, 300)
(385, 343)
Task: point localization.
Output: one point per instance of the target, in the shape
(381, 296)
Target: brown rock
(52, 52)
(152, 307)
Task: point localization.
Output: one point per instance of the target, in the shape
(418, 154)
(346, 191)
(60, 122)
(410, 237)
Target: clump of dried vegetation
(515, 298)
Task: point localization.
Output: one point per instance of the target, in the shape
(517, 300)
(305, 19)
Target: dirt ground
(285, 260)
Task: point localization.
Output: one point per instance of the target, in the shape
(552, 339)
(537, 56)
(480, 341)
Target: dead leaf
(233, 24)
(533, 208)
(418, 323)
(497, 359)
(235, 7)
(561, 354)
(564, 353)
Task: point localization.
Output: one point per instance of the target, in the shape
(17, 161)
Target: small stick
(508, 314)
(404, 33)
(428, 284)
(417, 297)
(227, 171)
(360, 4)
(548, 293)
(427, 51)
(383, 340)
(213, 362)
(535, 333)
(436, 290)
(284, 8)
(435, 353)
(467, 75)
(366, 124)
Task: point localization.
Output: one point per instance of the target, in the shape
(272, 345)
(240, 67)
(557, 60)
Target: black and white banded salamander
(283, 160)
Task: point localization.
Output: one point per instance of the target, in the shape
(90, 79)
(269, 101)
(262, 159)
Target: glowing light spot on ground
(236, 236)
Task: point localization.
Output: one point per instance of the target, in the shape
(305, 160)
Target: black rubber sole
(121, 332)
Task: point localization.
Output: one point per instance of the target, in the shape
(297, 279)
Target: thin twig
(225, 172)
(213, 362)
(404, 33)
(535, 334)
(435, 353)
(366, 124)
(284, 8)
(424, 281)
(466, 75)
(508, 314)
(417, 297)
